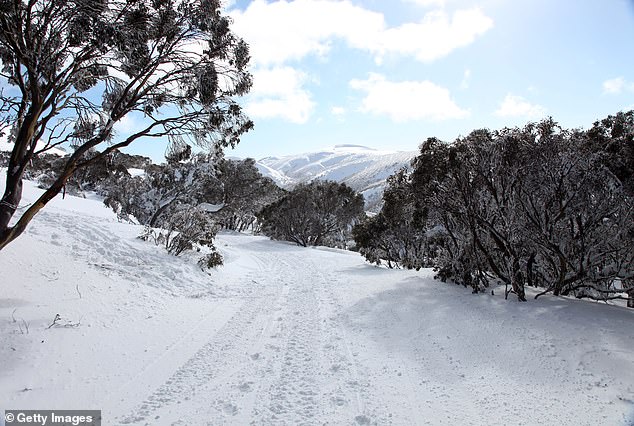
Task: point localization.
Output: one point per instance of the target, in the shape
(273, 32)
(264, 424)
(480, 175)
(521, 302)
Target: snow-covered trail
(282, 358)
(327, 339)
(284, 335)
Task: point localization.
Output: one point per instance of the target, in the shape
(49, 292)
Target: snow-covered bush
(317, 213)
(535, 206)
(210, 260)
(187, 229)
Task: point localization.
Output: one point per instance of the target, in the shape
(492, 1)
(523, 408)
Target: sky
(389, 74)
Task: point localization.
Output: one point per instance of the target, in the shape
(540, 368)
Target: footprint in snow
(245, 387)
(230, 409)
(362, 420)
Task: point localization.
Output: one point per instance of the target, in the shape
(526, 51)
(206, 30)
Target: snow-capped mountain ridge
(362, 168)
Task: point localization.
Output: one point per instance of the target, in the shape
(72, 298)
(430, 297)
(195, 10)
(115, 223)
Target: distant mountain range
(363, 169)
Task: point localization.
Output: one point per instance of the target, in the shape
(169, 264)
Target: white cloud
(616, 86)
(278, 92)
(466, 79)
(407, 100)
(338, 111)
(517, 106)
(130, 123)
(281, 31)
(428, 3)
(434, 37)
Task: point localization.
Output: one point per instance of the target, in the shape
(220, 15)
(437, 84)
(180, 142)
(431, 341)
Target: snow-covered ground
(288, 335)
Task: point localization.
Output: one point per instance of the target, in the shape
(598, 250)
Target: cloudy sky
(389, 74)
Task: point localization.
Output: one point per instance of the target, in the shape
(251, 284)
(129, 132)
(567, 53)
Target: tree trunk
(10, 199)
(20, 157)
(157, 214)
(530, 277)
(9, 234)
(517, 281)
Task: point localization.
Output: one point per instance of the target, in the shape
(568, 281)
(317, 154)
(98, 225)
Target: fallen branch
(57, 318)
(68, 324)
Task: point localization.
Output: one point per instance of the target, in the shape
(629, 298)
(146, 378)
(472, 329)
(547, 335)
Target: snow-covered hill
(363, 169)
(287, 335)
(8, 147)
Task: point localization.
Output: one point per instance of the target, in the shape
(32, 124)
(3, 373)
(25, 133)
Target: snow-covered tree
(317, 213)
(79, 67)
(534, 206)
(167, 188)
(245, 192)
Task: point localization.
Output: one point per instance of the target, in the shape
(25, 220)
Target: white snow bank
(136, 172)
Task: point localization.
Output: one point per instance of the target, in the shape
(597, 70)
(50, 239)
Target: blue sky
(389, 74)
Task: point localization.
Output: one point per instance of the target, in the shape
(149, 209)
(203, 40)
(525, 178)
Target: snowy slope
(363, 169)
(8, 147)
(288, 335)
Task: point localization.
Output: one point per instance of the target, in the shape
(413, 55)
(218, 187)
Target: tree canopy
(312, 214)
(73, 69)
(537, 206)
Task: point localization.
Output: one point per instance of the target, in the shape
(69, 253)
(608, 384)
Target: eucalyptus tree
(73, 69)
(313, 214)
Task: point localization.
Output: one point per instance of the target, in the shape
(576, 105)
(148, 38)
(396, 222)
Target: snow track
(282, 357)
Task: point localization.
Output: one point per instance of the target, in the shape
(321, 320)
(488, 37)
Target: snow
(278, 177)
(212, 208)
(288, 335)
(8, 147)
(136, 172)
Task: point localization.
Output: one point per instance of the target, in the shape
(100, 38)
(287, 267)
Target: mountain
(363, 169)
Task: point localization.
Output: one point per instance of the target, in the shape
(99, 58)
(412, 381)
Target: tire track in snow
(293, 397)
(349, 385)
(201, 382)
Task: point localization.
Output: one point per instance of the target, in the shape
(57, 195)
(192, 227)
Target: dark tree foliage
(392, 235)
(317, 213)
(75, 68)
(245, 192)
(534, 206)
